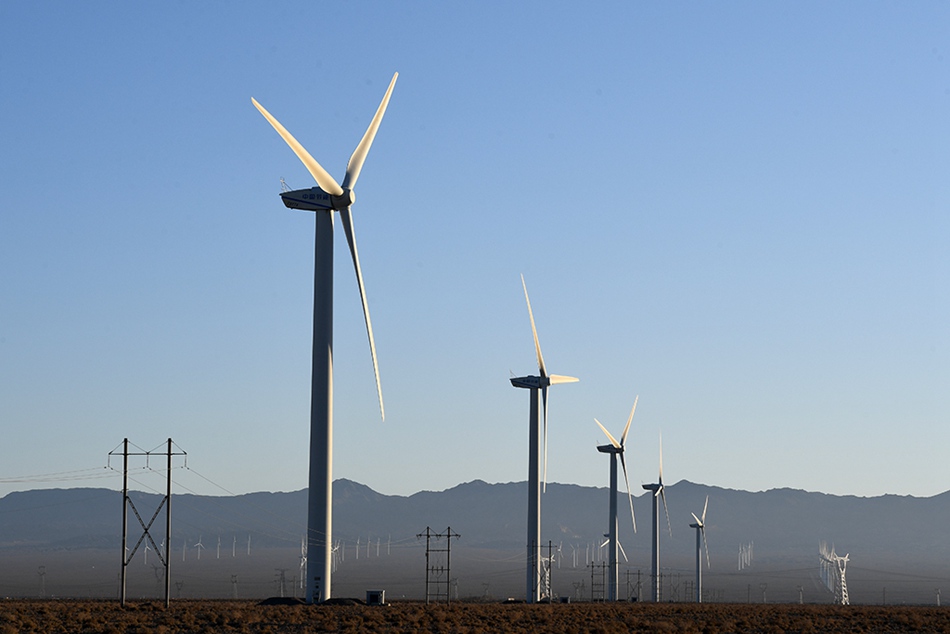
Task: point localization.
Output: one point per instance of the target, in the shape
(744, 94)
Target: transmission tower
(438, 563)
(280, 578)
(598, 581)
(546, 594)
(127, 504)
(633, 589)
(833, 568)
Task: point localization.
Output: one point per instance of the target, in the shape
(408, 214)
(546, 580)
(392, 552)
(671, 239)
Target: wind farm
(747, 233)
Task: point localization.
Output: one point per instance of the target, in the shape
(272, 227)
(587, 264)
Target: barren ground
(246, 616)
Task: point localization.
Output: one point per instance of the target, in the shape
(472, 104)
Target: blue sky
(736, 210)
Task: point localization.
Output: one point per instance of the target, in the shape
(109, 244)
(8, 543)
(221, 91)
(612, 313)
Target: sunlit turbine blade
(698, 521)
(355, 163)
(534, 331)
(623, 437)
(556, 379)
(704, 510)
(622, 551)
(544, 407)
(661, 459)
(613, 441)
(668, 524)
(346, 217)
(633, 518)
(323, 178)
(705, 546)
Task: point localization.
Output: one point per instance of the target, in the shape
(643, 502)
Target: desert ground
(66, 616)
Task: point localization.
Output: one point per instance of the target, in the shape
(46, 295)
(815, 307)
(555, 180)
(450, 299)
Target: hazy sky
(737, 210)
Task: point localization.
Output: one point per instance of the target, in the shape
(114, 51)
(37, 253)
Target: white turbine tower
(659, 491)
(700, 527)
(324, 200)
(615, 449)
(535, 573)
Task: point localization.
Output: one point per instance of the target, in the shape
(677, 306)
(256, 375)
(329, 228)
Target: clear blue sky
(737, 210)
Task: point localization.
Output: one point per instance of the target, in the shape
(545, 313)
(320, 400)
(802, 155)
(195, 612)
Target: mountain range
(902, 538)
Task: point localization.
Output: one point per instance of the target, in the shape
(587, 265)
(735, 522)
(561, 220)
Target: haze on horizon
(738, 212)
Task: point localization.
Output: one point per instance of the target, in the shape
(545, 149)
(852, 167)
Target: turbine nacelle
(530, 382)
(315, 199)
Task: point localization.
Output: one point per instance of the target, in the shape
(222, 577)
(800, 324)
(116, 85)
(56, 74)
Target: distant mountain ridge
(783, 523)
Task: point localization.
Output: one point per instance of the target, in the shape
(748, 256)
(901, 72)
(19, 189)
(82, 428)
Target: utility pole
(146, 534)
(438, 575)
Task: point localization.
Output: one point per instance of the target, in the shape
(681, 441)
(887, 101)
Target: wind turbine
(328, 197)
(199, 546)
(535, 573)
(659, 491)
(615, 449)
(700, 527)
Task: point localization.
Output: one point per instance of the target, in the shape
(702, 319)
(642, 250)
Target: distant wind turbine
(700, 527)
(659, 491)
(330, 196)
(615, 449)
(535, 572)
(199, 546)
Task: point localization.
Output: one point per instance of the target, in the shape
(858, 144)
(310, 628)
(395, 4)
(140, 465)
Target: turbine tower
(659, 491)
(534, 573)
(615, 449)
(328, 197)
(700, 527)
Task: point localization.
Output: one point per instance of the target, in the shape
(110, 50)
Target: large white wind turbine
(659, 491)
(700, 527)
(536, 384)
(328, 197)
(615, 449)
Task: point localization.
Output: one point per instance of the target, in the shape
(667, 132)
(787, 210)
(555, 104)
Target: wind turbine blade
(323, 178)
(661, 460)
(623, 552)
(665, 508)
(633, 518)
(534, 331)
(355, 163)
(698, 521)
(613, 441)
(347, 217)
(544, 407)
(704, 510)
(705, 545)
(623, 437)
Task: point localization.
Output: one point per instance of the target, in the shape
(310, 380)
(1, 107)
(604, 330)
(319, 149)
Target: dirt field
(245, 616)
